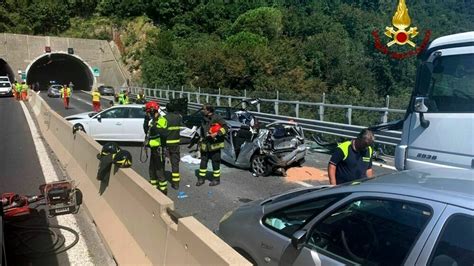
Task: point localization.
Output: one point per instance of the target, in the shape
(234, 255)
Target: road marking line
(84, 101)
(304, 184)
(77, 255)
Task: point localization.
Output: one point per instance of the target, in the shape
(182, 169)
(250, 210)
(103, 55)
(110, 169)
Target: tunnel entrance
(60, 68)
(6, 70)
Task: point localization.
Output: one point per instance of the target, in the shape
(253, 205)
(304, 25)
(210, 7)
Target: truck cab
(438, 129)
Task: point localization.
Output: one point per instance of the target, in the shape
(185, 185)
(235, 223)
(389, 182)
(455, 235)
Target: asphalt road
(22, 173)
(207, 204)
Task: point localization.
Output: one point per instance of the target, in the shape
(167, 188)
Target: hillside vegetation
(300, 48)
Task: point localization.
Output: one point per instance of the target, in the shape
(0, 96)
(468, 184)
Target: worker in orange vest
(96, 100)
(24, 91)
(65, 94)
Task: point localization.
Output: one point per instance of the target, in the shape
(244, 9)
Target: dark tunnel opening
(59, 68)
(6, 70)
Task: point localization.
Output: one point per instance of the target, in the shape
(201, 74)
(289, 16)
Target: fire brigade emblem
(401, 20)
(401, 33)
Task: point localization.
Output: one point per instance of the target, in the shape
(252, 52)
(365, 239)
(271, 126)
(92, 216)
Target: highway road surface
(238, 186)
(25, 164)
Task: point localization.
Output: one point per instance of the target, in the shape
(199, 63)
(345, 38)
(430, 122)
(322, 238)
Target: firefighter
(141, 97)
(96, 100)
(213, 131)
(175, 121)
(65, 94)
(155, 129)
(123, 97)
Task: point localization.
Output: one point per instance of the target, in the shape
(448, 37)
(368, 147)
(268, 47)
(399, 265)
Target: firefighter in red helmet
(155, 130)
(213, 131)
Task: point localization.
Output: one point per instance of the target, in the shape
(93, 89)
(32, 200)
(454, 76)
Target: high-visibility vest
(25, 87)
(95, 96)
(346, 145)
(160, 123)
(122, 98)
(65, 92)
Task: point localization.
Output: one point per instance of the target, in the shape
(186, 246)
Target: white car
(117, 123)
(5, 86)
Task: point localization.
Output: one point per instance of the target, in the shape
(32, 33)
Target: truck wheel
(259, 165)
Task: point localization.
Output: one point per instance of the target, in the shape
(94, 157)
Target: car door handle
(118, 123)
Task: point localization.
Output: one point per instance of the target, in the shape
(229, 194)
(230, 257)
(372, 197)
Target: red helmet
(152, 105)
(215, 128)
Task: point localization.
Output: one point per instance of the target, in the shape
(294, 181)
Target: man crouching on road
(352, 159)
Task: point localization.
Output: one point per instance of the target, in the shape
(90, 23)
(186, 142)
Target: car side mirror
(298, 239)
(99, 118)
(419, 105)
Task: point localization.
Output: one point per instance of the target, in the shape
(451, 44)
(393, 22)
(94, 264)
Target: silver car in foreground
(416, 217)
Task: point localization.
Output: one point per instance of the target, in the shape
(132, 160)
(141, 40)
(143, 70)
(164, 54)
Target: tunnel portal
(60, 68)
(6, 70)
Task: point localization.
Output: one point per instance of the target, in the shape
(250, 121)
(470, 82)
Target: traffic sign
(96, 71)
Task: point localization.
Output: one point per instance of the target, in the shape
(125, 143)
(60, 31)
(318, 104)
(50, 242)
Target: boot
(175, 185)
(164, 191)
(214, 182)
(200, 182)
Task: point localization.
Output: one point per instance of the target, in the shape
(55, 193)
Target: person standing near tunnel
(66, 93)
(96, 100)
(24, 91)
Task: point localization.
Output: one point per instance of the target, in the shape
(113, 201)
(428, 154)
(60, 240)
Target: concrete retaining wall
(129, 213)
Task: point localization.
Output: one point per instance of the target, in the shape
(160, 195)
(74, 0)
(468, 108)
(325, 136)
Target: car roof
(447, 185)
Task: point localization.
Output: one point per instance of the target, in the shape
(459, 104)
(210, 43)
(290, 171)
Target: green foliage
(301, 49)
(265, 21)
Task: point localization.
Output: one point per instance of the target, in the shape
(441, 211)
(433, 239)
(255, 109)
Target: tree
(265, 21)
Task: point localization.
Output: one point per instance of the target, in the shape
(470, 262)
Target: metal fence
(270, 110)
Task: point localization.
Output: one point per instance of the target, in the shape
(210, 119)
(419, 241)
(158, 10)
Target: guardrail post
(218, 100)
(297, 110)
(168, 93)
(245, 93)
(349, 115)
(385, 114)
(321, 108)
(161, 93)
(229, 101)
(189, 97)
(198, 95)
(258, 107)
(181, 93)
(207, 98)
(276, 103)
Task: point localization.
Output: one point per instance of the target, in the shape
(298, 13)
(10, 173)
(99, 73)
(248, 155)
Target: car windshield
(4, 84)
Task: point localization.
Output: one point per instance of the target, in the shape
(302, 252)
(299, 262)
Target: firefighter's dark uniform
(157, 130)
(174, 123)
(211, 148)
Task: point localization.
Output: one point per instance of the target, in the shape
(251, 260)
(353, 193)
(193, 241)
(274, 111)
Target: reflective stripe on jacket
(155, 137)
(175, 122)
(212, 144)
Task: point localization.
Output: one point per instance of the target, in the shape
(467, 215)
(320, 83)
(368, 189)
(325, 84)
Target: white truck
(438, 128)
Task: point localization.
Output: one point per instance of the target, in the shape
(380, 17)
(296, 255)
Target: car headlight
(226, 216)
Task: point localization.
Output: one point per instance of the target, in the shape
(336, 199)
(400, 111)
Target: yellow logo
(401, 20)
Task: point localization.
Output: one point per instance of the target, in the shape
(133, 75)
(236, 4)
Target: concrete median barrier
(130, 214)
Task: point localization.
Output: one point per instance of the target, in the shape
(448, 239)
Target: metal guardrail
(318, 126)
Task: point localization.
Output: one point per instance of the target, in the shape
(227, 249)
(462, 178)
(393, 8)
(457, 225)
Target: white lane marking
(304, 184)
(77, 255)
(84, 101)
(384, 166)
